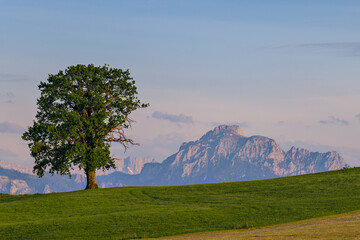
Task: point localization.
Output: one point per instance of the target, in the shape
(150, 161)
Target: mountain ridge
(19, 179)
(223, 154)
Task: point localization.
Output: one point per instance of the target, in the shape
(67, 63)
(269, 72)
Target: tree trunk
(91, 180)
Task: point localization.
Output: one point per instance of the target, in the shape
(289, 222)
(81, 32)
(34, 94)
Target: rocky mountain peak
(225, 154)
(212, 137)
(224, 130)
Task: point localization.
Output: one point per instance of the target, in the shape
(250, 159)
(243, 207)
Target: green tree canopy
(80, 112)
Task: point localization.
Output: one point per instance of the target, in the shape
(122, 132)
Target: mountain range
(223, 154)
(19, 179)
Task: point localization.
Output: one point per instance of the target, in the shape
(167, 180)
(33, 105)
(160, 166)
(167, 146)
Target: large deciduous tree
(80, 112)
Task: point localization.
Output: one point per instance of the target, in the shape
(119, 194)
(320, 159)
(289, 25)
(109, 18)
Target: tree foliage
(80, 112)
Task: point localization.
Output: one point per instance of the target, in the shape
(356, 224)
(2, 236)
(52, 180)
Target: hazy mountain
(19, 179)
(132, 165)
(225, 154)
(221, 155)
(128, 165)
(23, 168)
(14, 182)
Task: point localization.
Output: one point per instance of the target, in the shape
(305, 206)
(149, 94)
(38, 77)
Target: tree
(80, 112)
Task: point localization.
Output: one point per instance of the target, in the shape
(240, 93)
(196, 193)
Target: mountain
(19, 179)
(23, 168)
(225, 154)
(128, 165)
(15, 182)
(221, 155)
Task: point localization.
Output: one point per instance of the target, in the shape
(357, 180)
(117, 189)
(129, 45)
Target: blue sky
(282, 69)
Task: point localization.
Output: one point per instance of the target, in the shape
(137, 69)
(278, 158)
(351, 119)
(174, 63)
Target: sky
(288, 70)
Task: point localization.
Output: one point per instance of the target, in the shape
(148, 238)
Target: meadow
(145, 212)
(337, 227)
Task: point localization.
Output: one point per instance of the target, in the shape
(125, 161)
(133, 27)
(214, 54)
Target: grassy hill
(119, 213)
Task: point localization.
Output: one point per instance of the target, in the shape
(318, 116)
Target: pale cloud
(7, 127)
(358, 117)
(7, 155)
(181, 118)
(10, 95)
(7, 97)
(335, 121)
(280, 123)
(13, 78)
(346, 48)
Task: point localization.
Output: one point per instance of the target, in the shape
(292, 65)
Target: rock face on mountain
(225, 154)
(132, 165)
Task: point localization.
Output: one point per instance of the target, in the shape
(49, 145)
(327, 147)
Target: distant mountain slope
(24, 168)
(14, 182)
(225, 154)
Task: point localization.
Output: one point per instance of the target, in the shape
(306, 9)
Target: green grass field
(119, 213)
